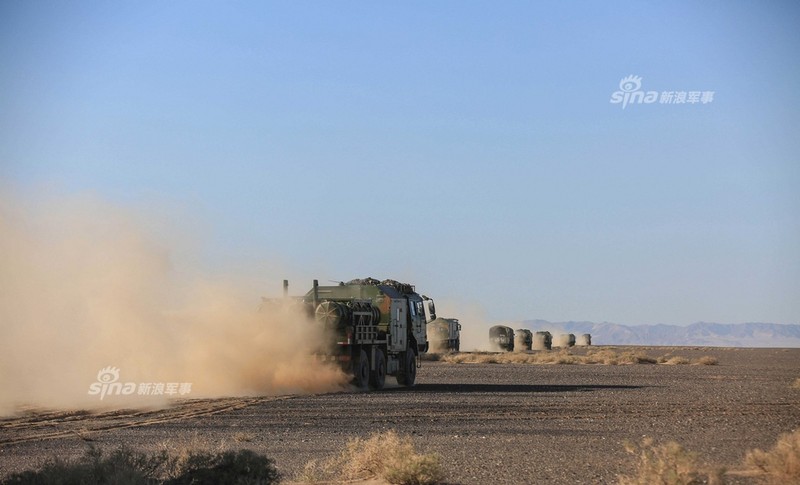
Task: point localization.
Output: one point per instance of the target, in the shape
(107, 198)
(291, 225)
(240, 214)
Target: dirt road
(492, 423)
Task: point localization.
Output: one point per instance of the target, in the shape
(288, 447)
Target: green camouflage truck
(501, 338)
(377, 328)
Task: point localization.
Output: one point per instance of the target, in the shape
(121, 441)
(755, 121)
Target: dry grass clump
(677, 360)
(604, 356)
(181, 451)
(130, 467)
(668, 464)
(610, 357)
(706, 360)
(796, 384)
(470, 358)
(383, 455)
(560, 357)
(781, 464)
(547, 357)
(671, 464)
(243, 437)
(637, 357)
(681, 360)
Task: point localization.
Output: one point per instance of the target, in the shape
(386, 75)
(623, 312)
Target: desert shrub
(313, 472)
(243, 467)
(668, 464)
(610, 357)
(124, 466)
(707, 360)
(510, 358)
(636, 357)
(243, 437)
(677, 360)
(781, 464)
(563, 356)
(470, 358)
(383, 455)
(605, 357)
(414, 470)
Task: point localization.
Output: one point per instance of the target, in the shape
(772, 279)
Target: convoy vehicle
(542, 340)
(444, 334)
(565, 340)
(377, 328)
(501, 338)
(523, 339)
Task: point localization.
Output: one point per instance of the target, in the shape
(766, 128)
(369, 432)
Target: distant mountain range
(696, 334)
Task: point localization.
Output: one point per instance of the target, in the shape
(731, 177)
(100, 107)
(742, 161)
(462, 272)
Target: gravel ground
(491, 423)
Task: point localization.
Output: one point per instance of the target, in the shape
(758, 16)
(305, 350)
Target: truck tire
(361, 371)
(377, 377)
(408, 374)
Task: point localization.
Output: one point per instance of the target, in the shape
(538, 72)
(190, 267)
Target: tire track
(84, 425)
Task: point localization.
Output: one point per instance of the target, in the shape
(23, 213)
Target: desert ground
(491, 423)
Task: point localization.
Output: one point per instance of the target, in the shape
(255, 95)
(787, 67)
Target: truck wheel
(361, 371)
(408, 374)
(377, 377)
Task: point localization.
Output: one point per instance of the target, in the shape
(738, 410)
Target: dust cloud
(437, 346)
(475, 324)
(85, 285)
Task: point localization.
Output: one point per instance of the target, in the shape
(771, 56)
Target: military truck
(584, 340)
(377, 328)
(501, 338)
(444, 334)
(542, 340)
(565, 340)
(523, 339)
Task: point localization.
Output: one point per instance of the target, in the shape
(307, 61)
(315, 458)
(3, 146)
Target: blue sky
(467, 147)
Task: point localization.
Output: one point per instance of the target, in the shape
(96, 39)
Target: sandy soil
(492, 423)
